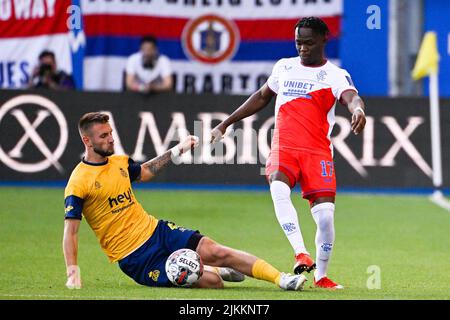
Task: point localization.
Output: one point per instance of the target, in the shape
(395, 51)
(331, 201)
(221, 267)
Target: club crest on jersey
(321, 75)
(97, 185)
(210, 39)
(123, 173)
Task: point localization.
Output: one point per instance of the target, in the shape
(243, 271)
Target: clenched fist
(190, 142)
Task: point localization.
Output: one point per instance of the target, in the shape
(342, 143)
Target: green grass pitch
(405, 238)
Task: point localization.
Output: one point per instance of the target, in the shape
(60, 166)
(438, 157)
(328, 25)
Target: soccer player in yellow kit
(99, 189)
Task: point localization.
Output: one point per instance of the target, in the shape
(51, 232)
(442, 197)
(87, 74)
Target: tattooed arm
(152, 167)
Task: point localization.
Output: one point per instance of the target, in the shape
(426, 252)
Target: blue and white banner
(26, 29)
(226, 46)
(215, 46)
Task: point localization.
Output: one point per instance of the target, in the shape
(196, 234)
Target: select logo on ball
(210, 39)
(184, 267)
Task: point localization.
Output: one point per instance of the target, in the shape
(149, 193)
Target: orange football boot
(303, 263)
(326, 283)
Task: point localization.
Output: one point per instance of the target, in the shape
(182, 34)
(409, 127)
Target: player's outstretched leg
(226, 274)
(214, 254)
(213, 277)
(288, 220)
(323, 214)
(229, 274)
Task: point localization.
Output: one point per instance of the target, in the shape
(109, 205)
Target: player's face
(310, 46)
(101, 139)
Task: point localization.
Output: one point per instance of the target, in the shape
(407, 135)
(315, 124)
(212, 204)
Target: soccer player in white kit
(307, 89)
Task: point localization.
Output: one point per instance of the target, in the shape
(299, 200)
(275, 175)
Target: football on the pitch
(184, 267)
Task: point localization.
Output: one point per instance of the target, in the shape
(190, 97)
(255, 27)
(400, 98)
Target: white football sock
(323, 215)
(287, 215)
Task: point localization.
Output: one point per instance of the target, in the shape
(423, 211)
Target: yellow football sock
(264, 271)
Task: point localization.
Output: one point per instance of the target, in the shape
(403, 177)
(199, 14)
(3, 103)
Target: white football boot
(292, 282)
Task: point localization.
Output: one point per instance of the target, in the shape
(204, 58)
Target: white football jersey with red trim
(305, 103)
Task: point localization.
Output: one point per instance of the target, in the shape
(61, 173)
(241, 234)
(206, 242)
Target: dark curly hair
(316, 24)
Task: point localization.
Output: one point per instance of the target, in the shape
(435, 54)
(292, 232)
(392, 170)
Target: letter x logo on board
(30, 135)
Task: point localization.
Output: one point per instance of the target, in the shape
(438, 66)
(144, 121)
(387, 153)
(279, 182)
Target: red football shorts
(314, 172)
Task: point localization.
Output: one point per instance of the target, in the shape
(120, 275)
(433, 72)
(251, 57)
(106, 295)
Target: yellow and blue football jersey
(102, 193)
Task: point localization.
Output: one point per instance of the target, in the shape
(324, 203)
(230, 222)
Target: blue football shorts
(147, 264)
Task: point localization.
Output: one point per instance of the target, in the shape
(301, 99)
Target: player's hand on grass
(358, 121)
(73, 277)
(217, 133)
(189, 143)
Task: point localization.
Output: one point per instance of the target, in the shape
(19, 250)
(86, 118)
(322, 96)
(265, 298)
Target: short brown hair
(88, 119)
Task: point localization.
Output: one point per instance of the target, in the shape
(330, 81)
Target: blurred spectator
(147, 70)
(46, 74)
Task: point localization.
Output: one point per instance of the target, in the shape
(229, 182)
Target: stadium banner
(216, 46)
(226, 46)
(26, 29)
(40, 141)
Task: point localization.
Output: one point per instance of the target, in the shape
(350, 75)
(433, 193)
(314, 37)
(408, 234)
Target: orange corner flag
(428, 59)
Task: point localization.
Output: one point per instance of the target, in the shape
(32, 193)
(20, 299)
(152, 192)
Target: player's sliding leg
(288, 219)
(210, 279)
(214, 254)
(213, 277)
(323, 215)
(229, 274)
